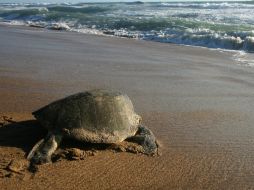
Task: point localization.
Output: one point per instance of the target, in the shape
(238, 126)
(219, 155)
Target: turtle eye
(138, 119)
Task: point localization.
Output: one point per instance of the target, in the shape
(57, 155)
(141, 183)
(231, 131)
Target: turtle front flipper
(43, 150)
(146, 139)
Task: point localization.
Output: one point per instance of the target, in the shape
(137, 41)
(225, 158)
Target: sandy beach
(198, 102)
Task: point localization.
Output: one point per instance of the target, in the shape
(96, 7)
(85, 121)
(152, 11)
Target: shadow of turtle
(26, 134)
(22, 134)
(73, 143)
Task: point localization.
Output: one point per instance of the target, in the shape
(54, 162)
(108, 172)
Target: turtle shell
(98, 116)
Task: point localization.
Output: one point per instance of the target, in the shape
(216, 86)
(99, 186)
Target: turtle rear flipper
(43, 150)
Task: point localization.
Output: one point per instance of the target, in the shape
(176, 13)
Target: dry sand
(198, 102)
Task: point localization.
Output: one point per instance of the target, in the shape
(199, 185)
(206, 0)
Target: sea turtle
(96, 116)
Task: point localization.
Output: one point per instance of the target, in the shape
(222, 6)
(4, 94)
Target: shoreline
(198, 103)
(241, 57)
(227, 51)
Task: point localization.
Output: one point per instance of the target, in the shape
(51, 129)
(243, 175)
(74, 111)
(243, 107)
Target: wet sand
(198, 102)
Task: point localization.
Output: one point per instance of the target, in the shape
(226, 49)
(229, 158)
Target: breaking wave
(227, 25)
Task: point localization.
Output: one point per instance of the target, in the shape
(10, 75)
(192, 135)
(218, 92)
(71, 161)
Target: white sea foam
(244, 59)
(88, 31)
(58, 26)
(16, 22)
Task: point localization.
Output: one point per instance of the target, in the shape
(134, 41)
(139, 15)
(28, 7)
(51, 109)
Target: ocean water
(224, 25)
